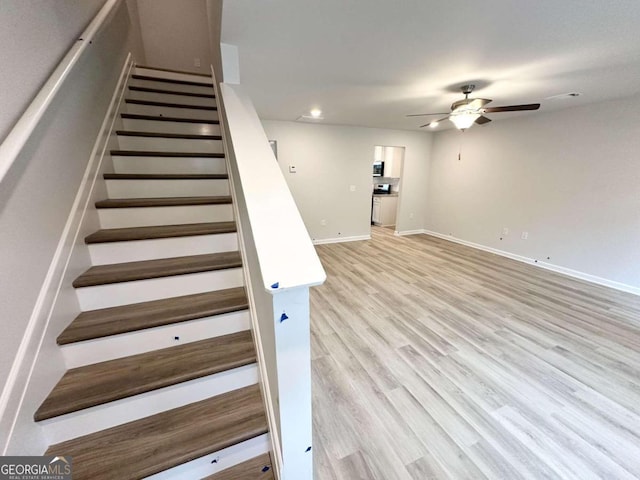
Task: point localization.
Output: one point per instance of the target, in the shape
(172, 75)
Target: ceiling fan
(464, 113)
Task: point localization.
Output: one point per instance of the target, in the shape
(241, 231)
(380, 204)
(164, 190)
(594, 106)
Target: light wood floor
(432, 360)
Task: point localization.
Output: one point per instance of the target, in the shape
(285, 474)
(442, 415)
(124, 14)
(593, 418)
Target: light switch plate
(292, 169)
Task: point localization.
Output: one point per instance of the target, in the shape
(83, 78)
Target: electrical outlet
(196, 62)
(505, 231)
(352, 188)
(323, 222)
(292, 169)
(525, 235)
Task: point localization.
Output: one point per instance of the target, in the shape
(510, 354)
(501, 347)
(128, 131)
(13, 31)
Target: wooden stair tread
(157, 118)
(161, 231)
(257, 468)
(170, 80)
(139, 316)
(152, 103)
(150, 445)
(164, 267)
(104, 382)
(165, 176)
(162, 201)
(133, 133)
(134, 88)
(145, 153)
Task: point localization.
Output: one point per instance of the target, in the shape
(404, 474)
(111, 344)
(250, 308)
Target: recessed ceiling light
(316, 112)
(434, 124)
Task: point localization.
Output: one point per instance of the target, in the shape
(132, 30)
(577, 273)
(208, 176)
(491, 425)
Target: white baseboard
(27, 380)
(547, 266)
(357, 238)
(409, 232)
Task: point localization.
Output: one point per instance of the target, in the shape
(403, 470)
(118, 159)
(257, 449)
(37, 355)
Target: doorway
(386, 185)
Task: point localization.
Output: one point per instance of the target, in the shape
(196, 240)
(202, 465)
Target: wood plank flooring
(435, 361)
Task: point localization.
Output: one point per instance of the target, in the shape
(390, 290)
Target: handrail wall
(280, 265)
(24, 127)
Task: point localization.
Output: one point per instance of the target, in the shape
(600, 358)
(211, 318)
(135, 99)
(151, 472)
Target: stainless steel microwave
(378, 169)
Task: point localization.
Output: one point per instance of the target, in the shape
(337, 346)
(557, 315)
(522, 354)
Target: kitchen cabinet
(384, 210)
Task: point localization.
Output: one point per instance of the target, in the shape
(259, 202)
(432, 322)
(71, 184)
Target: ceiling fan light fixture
(434, 124)
(463, 120)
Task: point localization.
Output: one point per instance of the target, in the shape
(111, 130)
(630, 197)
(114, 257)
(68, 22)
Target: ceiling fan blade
(426, 114)
(435, 121)
(512, 108)
(482, 120)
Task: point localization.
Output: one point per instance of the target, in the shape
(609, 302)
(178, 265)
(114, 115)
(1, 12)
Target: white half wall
(330, 158)
(570, 179)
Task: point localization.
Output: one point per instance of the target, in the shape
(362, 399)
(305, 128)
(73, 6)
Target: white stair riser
(170, 97)
(171, 127)
(166, 188)
(137, 250)
(115, 294)
(108, 415)
(148, 216)
(169, 144)
(168, 165)
(170, 86)
(171, 111)
(132, 343)
(218, 461)
(152, 72)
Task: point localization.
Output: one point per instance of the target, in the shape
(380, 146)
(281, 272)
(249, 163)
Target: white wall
(34, 36)
(214, 18)
(330, 158)
(571, 179)
(175, 33)
(37, 194)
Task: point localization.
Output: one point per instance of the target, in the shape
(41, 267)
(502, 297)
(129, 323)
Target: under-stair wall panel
(218, 461)
(151, 164)
(177, 110)
(168, 94)
(111, 295)
(162, 125)
(159, 84)
(110, 347)
(160, 144)
(175, 75)
(130, 251)
(147, 216)
(150, 188)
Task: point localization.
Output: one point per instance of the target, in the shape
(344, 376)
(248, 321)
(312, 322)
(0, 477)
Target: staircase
(162, 379)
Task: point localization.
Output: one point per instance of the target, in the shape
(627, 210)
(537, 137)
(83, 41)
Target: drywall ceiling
(370, 62)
